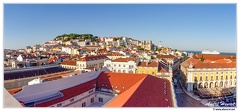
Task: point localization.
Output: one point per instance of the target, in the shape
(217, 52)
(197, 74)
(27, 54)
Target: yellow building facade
(196, 74)
(147, 68)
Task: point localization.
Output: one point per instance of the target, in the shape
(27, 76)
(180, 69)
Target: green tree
(159, 49)
(140, 48)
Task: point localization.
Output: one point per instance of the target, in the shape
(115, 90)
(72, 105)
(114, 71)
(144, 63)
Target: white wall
(85, 97)
(42, 90)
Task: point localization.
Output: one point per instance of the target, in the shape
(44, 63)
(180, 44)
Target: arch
(130, 71)
(211, 85)
(205, 85)
(195, 86)
(226, 84)
(221, 84)
(216, 84)
(123, 71)
(200, 85)
(119, 70)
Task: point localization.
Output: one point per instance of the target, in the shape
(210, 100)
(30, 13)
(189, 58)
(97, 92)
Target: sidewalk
(203, 101)
(189, 93)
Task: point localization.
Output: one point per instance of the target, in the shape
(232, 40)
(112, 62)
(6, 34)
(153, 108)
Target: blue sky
(179, 26)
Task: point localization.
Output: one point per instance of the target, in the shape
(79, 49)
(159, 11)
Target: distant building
(124, 65)
(147, 45)
(93, 62)
(69, 64)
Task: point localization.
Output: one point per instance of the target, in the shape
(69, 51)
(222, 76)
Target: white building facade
(124, 65)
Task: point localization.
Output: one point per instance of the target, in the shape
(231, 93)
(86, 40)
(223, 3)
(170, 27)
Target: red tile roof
(215, 65)
(89, 58)
(70, 92)
(147, 92)
(69, 62)
(124, 60)
(15, 90)
(136, 90)
(118, 80)
(208, 63)
(165, 56)
(114, 54)
(213, 57)
(52, 59)
(148, 64)
(161, 69)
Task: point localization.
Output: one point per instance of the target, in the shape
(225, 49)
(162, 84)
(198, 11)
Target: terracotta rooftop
(89, 58)
(213, 57)
(165, 56)
(148, 64)
(15, 90)
(52, 59)
(215, 65)
(69, 62)
(118, 80)
(161, 69)
(114, 54)
(208, 63)
(136, 90)
(124, 60)
(146, 92)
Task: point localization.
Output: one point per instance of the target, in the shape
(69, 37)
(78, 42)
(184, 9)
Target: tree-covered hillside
(72, 36)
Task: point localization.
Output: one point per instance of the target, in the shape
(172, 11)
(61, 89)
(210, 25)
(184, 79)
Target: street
(183, 99)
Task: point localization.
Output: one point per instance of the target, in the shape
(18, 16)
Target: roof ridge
(126, 93)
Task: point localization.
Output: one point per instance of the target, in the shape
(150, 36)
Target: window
(115, 65)
(152, 72)
(216, 77)
(102, 84)
(71, 100)
(92, 100)
(84, 104)
(119, 70)
(231, 77)
(206, 78)
(119, 65)
(100, 99)
(123, 65)
(211, 78)
(147, 72)
(142, 72)
(59, 105)
(226, 77)
(226, 72)
(200, 78)
(195, 78)
(221, 77)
